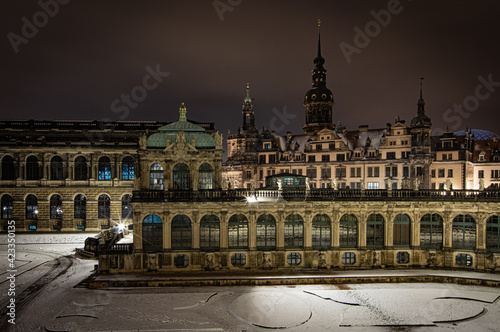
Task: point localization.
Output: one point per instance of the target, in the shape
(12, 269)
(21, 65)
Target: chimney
(363, 128)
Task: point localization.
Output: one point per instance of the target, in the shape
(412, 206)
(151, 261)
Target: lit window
(128, 168)
(294, 231)
(104, 169)
(266, 232)
(156, 177)
(321, 230)
(464, 232)
(31, 207)
(209, 232)
(431, 231)
(126, 207)
(348, 231)
(238, 231)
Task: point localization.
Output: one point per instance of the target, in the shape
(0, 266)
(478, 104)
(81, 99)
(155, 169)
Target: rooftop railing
(263, 195)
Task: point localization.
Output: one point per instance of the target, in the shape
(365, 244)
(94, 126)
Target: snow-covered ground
(56, 305)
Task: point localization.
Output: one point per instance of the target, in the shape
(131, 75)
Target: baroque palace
(328, 198)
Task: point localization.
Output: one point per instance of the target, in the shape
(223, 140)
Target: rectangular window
(450, 173)
(387, 171)
(331, 146)
(495, 173)
(391, 155)
(355, 172)
(480, 174)
(262, 159)
(267, 146)
(341, 157)
(311, 173)
(300, 171)
(272, 158)
(248, 174)
(405, 155)
(326, 173)
(441, 172)
(394, 171)
(433, 173)
(340, 172)
(311, 159)
(319, 147)
(420, 171)
(373, 185)
(373, 172)
(406, 171)
(355, 185)
(325, 157)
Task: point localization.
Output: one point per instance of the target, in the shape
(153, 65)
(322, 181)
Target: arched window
(348, 231)
(8, 169)
(80, 207)
(209, 232)
(126, 206)
(32, 168)
(56, 168)
(152, 234)
(156, 177)
(103, 207)
(492, 233)
(321, 232)
(205, 176)
(431, 231)
(464, 232)
(31, 207)
(181, 232)
(7, 207)
(266, 232)
(104, 169)
(375, 231)
(401, 230)
(238, 231)
(294, 231)
(128, 168)
(181, 177)
(56, 207)
(81, 168)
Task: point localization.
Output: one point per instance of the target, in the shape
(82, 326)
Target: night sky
(80, 61)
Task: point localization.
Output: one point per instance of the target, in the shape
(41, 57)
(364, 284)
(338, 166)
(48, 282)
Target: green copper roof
(202, 139)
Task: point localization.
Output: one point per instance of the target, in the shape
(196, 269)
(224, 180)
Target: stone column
(308, 230)
(224, 230)
(447, 231)
(280, 231)
(195, 223)
(480, 231)
(167, 234)
(362, 231)
(252, 231)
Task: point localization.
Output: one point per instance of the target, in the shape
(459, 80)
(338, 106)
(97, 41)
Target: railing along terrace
(122, 248)
(314, 195)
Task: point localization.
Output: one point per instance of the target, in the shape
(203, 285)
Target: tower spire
(248, 115)
(421, 102)
(319, 38)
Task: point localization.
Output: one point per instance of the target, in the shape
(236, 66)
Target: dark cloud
(90, 53)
